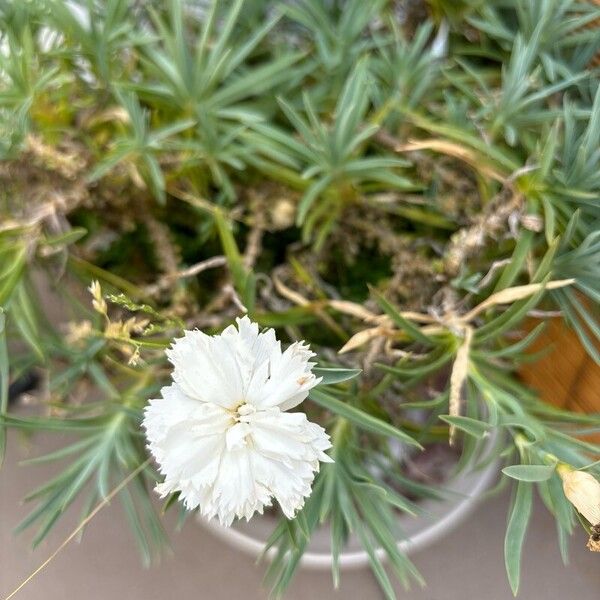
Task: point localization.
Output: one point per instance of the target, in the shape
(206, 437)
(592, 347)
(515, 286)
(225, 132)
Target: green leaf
(517, 261)
(473, 427)
(338, 539)
(518, 520)
(240, 275)
(155, 178)
(74, 234)
(404, 324)
(360, 418)
(171, 500)
(12, 276)
(524, 421)
(515, 348)
(24, 316)
(418, 368)
(335, 375)
(376, 564)
(64, 451)
(549, 220)
(313, 192)
(529, 472)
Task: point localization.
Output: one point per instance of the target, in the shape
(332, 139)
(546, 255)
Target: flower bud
(583, 492)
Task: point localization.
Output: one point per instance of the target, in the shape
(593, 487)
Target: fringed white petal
(220, 434)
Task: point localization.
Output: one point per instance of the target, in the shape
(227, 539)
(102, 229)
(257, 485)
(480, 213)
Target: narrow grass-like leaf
(376, 564)
(473, 427)
(513, 269)
(529, 473)
(518, 520)
(403, 324)
(333, 375)
(239, 273)
(418, 368)
(360, 418)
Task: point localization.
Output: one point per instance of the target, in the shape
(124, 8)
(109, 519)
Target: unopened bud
(583, 491)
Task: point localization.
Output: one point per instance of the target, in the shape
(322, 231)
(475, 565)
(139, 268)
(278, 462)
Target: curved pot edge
(357, 559)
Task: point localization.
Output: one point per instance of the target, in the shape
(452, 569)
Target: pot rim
(475, 482)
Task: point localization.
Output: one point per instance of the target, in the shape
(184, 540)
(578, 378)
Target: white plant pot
(439, 517)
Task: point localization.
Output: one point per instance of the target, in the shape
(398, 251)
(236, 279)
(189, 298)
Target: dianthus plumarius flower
(221, 433)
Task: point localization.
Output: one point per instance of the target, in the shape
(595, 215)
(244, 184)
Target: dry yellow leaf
(453, 149)
(513, 294)
(362, 337)
(460, 370)
(353, 309)
(288, 293)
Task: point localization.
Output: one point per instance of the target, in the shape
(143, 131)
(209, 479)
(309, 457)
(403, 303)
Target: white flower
(220, 433)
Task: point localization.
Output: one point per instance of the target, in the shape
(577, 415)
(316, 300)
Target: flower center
(239, 433)
(243, 411)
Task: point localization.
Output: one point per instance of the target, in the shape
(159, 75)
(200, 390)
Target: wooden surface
(565, 376)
